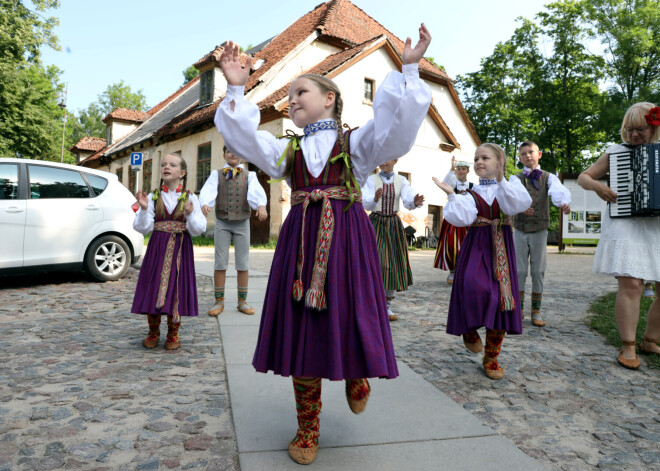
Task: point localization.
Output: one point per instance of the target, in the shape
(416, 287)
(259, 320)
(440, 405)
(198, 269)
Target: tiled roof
(126, 115)
(214, 56)
(88, 143)
(347, 22)
(93, 160)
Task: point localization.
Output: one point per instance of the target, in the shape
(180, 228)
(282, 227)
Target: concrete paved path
(408, 424)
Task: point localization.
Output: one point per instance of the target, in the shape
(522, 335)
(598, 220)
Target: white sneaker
(648, 293)
(450, 278)
(391, 315)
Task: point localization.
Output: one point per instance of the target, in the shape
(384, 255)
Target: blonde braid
(339, 107)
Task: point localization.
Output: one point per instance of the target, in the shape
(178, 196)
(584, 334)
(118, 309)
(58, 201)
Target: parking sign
(136, 159)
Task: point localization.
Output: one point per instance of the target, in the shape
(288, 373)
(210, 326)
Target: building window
(131, 180)
(206, 88)
(203, 164)
(120, 174)
(146, 175)
(369, 89)
(405, 175)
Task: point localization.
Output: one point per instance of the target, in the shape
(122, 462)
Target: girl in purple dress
(325, 314)
(485, 289)
(167, 283)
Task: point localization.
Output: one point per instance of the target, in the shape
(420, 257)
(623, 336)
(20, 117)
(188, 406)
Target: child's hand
(378, 194)
(231, 65)
(262, 214)
(447, 188)
(188, 207)
(414, 55)
(142, 200)
(206, 210)
(529, 211)
(419, 200)
(453, 163)
(565, 208)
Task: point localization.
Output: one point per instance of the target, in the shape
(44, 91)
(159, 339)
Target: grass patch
(602, 321)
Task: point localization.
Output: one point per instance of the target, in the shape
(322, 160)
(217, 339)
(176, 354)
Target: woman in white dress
(629, 248)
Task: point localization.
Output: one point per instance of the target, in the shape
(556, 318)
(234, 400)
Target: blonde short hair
(634, 118)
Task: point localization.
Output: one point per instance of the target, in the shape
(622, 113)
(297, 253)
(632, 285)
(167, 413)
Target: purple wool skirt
(351, 339)
(475, 294)
(146, 291)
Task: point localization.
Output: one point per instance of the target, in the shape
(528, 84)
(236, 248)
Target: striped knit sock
(242, 294)
(219, 293)
(307, 392)
(536, 303)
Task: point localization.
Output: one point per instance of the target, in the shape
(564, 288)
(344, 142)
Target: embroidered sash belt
(173, 228)
(500, 259)
(315, 297)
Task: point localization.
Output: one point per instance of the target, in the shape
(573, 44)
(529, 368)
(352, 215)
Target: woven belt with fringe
(315, 297)
(500, 259)
(172, 228)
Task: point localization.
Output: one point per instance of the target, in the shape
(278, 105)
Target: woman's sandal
(648, 350)
(493, 369)
(631, 364)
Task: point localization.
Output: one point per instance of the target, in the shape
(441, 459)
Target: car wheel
(108, 258)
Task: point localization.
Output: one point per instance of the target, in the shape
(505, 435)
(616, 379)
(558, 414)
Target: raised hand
(447, 188)
(419, 200)
(453, 163)
(501, 163)
(142, 200)
(414, 55)
(231, 65)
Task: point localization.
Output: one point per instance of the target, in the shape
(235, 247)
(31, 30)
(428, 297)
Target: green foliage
(189, 74)
(117, 95)
(30, 120)
(432, 61)
(603, 321)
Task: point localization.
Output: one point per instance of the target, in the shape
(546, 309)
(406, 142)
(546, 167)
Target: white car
(59, 216)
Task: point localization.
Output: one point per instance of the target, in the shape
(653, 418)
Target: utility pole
(62, 104)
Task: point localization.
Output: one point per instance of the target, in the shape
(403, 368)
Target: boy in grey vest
(531, 227)
(233, 191)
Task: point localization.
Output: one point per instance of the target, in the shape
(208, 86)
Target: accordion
(635, 177)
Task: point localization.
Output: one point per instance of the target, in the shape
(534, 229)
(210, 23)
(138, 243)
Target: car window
(52, 182)
(97, 183)
(8, 181)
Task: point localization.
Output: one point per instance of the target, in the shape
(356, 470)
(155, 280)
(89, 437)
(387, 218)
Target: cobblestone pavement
(78, 390)
(565, 400)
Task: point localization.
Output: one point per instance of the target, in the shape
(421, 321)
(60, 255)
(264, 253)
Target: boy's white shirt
(400, 106)
(144, 219)
(513, 198)
(451, 180)
(256, 195)
(407, 193)
(557, 192)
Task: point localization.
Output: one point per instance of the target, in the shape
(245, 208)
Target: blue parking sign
(136, 158)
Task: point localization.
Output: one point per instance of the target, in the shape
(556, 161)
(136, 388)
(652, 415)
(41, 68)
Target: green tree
(117, 95)
(573, 101)
(30, 120)
(630, 34)
(498, 96)
(189, 74)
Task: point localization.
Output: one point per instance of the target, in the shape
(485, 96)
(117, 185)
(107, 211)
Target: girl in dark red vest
(485, 288)
(325, 314)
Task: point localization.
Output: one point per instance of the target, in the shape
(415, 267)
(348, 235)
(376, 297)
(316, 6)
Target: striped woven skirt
(449, 244)
(393, 251)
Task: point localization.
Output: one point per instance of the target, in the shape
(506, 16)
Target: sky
(149, 43)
